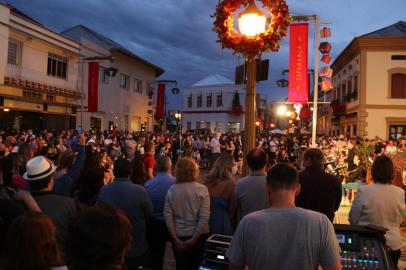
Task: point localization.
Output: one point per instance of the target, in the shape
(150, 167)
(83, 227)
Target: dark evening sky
(176, 34)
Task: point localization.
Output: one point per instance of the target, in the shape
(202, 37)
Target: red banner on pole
(93, 87)
(160, 100)
(298, 63)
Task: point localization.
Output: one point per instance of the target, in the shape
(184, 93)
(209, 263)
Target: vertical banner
(93, 87)
(160, 100)
(298, 63)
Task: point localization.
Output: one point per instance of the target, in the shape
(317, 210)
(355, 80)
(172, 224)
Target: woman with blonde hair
(221, 185)
(187, 213)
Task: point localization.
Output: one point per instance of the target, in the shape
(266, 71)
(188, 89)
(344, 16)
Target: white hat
(38, 168)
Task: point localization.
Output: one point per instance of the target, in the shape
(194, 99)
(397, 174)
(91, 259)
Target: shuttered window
(398, 85)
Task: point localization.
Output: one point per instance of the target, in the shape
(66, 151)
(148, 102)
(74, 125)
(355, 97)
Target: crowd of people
(113, 200)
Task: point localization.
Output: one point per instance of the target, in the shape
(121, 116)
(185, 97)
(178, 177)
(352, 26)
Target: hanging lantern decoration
(298, 107)
(326, 85)
(282, 83)
(305, 112)
(326, 72)
(326, 58)
(325, 32)
(325, 47)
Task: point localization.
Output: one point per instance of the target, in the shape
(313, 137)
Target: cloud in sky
(176, 34)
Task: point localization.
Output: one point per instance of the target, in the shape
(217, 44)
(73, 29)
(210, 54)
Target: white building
(209, 104)
(39, 74)
(124, 100)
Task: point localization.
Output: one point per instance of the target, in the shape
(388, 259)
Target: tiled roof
(395, 30)
(81, 31)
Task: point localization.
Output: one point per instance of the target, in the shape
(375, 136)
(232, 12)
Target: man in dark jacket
(319, 191)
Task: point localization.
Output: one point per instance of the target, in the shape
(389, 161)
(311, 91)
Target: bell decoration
(325, 47)
(326, 85)
(326, 58)
(326, 72)
(325, 32)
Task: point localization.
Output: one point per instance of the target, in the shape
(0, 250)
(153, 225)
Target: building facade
(369, 94)
(38, 82)
(124, 100)
(208, 104)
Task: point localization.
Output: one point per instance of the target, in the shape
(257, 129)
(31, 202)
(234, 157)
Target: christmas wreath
(251, 46)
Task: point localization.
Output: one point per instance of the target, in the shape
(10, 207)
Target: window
(57, 66)
(219, 100)
(398, 57)
(349, 86)
(354, 130)
(397, 131)
(13, 53)
(124, 81)
(32, 95)
(355, 88)
(343, 92)
(398, 86)
(208, 101)
(50, 99)
(149, 88)
(189, 101)
(137, 85)
(198, 125)
(199, 101)
(349, 67)
(208, 124)
(188, 125)
(103, 75)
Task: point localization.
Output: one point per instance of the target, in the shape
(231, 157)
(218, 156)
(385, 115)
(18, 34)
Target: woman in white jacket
(381, 204)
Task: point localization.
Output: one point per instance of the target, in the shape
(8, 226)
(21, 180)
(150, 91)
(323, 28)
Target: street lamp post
(178, 117)
(251, 22)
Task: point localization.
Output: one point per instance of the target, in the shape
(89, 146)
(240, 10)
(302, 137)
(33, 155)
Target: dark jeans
(191, 258)
(214, 157)
(157, 236)
(394, 255)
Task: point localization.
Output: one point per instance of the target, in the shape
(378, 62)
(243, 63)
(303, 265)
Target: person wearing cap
(40, 176)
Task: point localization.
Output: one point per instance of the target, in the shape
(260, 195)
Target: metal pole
(250, 109)
(316, 81)
(81, 98)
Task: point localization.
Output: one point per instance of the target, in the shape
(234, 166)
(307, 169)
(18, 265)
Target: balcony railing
(34, 80)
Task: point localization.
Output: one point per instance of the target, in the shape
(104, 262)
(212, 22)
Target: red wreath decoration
(251, 46)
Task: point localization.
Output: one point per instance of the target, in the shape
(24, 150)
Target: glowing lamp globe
(251, 21)
(281, 111)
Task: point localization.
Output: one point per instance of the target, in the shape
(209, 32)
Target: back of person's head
(148, 146)
(313, 157)
(99, 238)
(65, 160)
(186, 170)
(282, 176)
(91, 181)
(257, 159)
(383, 170)
(222, 169)
(138, 172)
(31, 243)
(121, 168)
(163, 164)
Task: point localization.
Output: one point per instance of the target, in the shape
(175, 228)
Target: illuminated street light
(282, 109)
(6, 109)
(289, 114)
(272, 125)
(290, 121)
(178, 117)
(251, 21)
(257, 123)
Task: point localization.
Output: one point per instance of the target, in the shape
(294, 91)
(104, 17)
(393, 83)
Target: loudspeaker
(45, 107)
